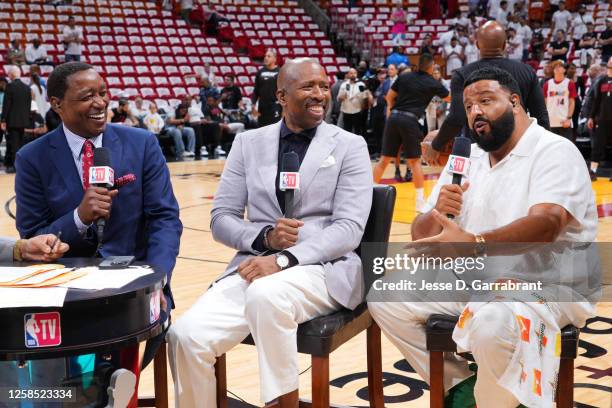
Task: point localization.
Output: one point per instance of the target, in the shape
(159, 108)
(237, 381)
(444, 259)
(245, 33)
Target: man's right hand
(284, 234)
(450, 198)
(96, 204)
(590, 123)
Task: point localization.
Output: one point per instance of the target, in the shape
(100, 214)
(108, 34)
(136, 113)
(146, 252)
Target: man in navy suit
(51, 188)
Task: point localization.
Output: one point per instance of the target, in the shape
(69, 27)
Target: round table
(90, 321)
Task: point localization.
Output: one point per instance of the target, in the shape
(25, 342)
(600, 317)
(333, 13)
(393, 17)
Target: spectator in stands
(493, 8)
(15, 115)
(228, 128)
(561, 19)
(514, 49)
(426, 46)
(206, 90)
(605, 41)
(445, 38)
(363, 71)
(453, 54)
(139, 111)
(579, 25)
(206, 131)
(265, 106)
(15, 54)
(502, 13)
(514, 22)
(462, 36)
(471, 51)
(600, 116)
(474, 24)
(36, 53)
(186, 7)
(560, 97)
(461, 18)
(352, 95)
(177, 130)
(538, 44)
(397, 57)
(122, 114)
(559, 48)
(520, 11)
(3, 84)
(399, 23)
(586, 47)
(37, 125)
(52, 119)
(524, 31)
(73, 39)
(554, 5)
(209, 72)
(153, 121)
(39, 94)
(333, 113)
(230, 94)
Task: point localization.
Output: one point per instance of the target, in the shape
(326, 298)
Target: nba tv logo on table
(42, 329)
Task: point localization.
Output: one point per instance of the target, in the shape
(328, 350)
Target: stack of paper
(37, 276)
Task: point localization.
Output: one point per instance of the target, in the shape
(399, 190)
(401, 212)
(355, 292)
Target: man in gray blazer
(40, 248)
(287, 270)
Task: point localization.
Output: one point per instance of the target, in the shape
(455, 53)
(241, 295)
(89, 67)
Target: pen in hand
(56, 241)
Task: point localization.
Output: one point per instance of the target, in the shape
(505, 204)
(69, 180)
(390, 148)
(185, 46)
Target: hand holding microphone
(450, 198)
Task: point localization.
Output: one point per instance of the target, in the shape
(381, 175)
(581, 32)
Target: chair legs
(565, 385)
(436, 379)
(320, 382)
(221, 377)
(160, 381)
(375, 380)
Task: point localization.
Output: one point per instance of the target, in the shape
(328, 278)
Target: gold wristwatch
(480, 249)
(17, 255)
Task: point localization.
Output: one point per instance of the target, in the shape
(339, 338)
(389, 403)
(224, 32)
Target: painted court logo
(42, 329)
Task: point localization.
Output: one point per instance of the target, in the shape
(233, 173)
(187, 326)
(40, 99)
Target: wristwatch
(282, 260)
(481, 246)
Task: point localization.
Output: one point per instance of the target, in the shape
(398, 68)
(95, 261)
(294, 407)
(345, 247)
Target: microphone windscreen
(101, 157)
(462, 146)
(290, 162)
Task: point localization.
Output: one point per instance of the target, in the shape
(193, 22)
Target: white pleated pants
(270, 309)
(494, 336)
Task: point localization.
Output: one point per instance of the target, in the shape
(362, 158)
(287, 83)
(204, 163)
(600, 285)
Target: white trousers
(494, 337)
(270, 309)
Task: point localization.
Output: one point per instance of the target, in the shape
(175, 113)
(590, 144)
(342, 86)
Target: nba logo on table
(42, 329)
(289, 180)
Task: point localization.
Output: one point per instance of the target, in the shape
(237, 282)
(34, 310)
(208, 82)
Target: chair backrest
(376, 234)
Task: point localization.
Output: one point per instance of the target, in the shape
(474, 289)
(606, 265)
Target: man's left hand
(40, 248)
(566, 123)
(451, 232)
(429, 154)
(257, 267)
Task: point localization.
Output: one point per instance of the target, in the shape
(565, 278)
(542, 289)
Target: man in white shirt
(36, 53)
(561, 19)
(513, 193)
(526, 34)
(502, 14)
(579, 25)
(72, 38)
(515, 45)
(352, 95)
(453, 53)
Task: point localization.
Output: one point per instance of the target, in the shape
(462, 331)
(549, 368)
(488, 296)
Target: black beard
(501, 130)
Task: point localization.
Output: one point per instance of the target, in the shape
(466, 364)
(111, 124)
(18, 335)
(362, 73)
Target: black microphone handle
(456, 180)
(289, 196)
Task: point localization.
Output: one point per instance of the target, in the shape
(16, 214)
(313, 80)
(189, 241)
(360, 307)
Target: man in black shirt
(491, 41)
(406, 102)
(230, 95)
(605, 40)
(600, 117)
(264, 91)
(559, 47)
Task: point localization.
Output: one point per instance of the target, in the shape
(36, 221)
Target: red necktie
(87, 161)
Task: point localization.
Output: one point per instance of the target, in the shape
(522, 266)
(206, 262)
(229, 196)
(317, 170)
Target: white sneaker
(188, 154)
(219, 151)
(420, 203)
(204, 152)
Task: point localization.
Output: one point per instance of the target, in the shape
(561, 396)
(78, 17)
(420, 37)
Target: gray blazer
(6, 249)
(333, 201)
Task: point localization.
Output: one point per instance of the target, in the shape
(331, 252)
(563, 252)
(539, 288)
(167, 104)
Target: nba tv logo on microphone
(458, 165)
(101, 175)
(289, 180)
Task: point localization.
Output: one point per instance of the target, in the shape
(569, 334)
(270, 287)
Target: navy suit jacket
(144, 219)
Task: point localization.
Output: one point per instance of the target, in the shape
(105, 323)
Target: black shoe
(408, 176)
(398, 175)
(197, 157)
(10, 170)
(593, 175)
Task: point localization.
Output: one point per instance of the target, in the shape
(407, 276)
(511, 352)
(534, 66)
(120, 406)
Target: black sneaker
(593, 175)
(408, 176)
(398, 175)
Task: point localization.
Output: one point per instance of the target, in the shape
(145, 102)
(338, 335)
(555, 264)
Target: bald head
(13, 72)
(491, 40)
(292, 70)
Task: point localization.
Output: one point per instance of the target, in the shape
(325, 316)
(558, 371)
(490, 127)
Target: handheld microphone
(289, 180)
(459, 160)
(101, 174)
